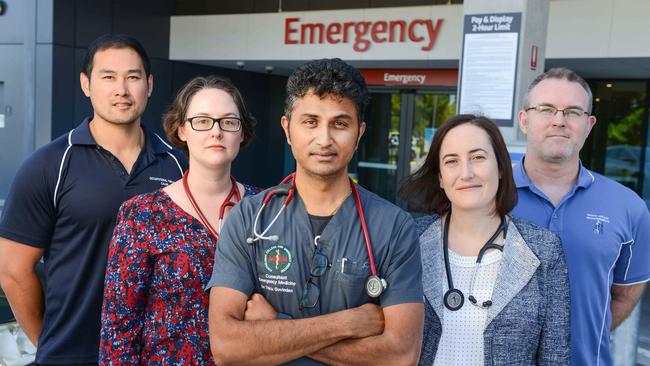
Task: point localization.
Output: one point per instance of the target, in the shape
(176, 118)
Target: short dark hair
(118, 41)
(424, 184)
(561, 73)
(327, 77)
(176, 114)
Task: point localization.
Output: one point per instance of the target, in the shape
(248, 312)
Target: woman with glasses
(162, 253)
(496, 287)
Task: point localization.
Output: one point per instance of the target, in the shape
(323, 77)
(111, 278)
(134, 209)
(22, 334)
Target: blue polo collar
(585, 177)
(153, 142)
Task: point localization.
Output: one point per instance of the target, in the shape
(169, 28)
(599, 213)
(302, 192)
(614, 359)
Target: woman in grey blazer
(496, 287)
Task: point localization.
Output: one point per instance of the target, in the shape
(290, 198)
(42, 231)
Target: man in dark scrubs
(297, 293)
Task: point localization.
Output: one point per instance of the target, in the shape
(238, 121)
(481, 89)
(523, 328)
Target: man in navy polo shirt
(64, 200)
(604, 226)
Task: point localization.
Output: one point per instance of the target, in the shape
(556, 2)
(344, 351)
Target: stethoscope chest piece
(375, 286)
(454, 299)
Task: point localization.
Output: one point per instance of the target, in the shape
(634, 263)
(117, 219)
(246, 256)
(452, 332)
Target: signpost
(489, 65)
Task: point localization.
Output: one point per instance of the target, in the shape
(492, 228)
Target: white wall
(599, 29)
(577, 29)
(261, 36)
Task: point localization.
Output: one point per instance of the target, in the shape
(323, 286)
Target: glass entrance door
(378, 151)
(431, 111)
(400, 127)
(617, 146)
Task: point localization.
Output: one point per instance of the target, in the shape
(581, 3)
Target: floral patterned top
(155, 308)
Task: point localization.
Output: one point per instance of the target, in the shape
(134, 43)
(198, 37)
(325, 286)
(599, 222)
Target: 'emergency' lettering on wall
(362, 33)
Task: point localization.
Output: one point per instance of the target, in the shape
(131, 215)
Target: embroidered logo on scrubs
(599, 224)
(277, 259)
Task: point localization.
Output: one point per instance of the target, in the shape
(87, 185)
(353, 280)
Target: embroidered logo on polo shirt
(599, 222)
(277, 259)
(163, 181)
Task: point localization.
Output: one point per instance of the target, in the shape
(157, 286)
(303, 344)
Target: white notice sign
(489, 66)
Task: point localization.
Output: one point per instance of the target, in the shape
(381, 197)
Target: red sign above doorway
(362, 34)
(410, 77)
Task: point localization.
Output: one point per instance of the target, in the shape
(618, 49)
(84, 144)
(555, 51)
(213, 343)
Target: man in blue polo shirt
(64, 199)
(604, 226)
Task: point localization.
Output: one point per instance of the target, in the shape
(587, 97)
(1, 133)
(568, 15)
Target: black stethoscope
(375, 285)
(454, 298)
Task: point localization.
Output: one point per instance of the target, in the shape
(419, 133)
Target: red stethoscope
(375, 285)
(227, 202)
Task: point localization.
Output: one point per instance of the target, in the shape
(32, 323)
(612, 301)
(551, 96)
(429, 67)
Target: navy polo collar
(153, 142)
(585, 178)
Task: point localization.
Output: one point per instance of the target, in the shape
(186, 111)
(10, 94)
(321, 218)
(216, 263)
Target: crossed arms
(245, 332)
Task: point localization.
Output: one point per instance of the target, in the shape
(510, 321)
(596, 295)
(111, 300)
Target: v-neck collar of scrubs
(333, 226)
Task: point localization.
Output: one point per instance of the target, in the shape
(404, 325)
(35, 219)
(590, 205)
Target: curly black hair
(327, 77)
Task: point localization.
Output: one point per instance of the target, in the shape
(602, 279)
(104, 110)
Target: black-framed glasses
(548, 111)
(311, 293)
(205, 123)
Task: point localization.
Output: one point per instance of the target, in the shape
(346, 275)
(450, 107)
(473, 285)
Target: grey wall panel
(43, 103)
(82, 106)
(199, 7)
(64, 22)
(12, 22)
(195, 7)
(64, 85)
(388, 3)
(147, 20)
(44, 18)
(271, 130)
(337, 4)
(13, 102)
(92, 19)
(265, 6)
(161, 95)
(295, 5)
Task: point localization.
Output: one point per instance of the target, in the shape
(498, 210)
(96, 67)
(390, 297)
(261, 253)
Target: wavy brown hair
(422, 188)
(176, 115)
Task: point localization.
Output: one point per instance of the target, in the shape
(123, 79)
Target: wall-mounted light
(597, 99)
(3, 7)
(609, 85)
(269, 69)
(240, 64)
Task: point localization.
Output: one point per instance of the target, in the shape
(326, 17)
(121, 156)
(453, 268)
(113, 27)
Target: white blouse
(461, 342)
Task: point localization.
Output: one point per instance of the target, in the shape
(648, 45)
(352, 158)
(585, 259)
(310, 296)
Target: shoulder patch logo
(277, 259)
(599, 222)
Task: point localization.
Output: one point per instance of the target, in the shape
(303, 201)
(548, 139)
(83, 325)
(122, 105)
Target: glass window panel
(616, 142)
(379, 148)
(431, 111)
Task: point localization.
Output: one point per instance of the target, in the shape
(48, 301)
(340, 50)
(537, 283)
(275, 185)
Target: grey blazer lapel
(432, 266)
(518, 265)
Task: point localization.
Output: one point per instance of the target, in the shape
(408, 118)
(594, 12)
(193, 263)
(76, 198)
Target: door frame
(407, 114)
